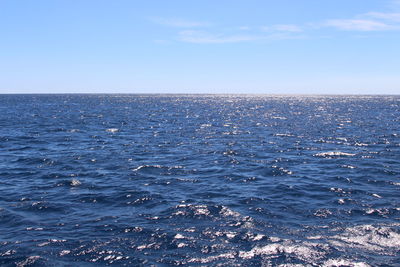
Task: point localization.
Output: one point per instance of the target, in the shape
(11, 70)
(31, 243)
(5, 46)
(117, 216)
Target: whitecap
(28, 261)
(181, 245)
(75, 182)
(334, 154)
(179, 236)
(322, 213)
(258, 237)
(228, 255)
(147, 166)
(382, 240)
(43, 244)
(284, 135)
(343, 262)
(230, 235)
(370, 238)
(201, 210)
(304, 251)
(225, 212)
(348, 166)
(360, 144)
(158, 167)
(278, 118)
(65, 252)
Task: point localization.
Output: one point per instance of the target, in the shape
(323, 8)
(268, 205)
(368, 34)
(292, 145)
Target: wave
(332, 154)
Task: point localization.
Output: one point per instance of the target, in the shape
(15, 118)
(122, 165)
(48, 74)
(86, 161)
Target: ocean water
(168, 180)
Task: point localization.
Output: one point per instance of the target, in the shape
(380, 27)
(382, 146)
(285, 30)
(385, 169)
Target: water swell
(199, 180)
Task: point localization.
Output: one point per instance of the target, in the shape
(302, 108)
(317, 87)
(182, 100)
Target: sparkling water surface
(168, 180)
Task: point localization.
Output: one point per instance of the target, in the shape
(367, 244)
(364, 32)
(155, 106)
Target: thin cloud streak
(394, 17)
(282, 28)
(371, 21)
(359, 25)
(202, 37)
(196, 32)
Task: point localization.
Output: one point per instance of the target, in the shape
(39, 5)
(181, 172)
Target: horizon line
(211, 94)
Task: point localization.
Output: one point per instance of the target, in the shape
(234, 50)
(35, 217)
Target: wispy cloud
(179, 23)
(371, 21)
(393, 17)
(358, 25)
(283, 28)
(202, 33)
(242, 34)
(202, 37)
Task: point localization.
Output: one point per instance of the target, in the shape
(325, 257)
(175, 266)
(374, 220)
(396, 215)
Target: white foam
(284, 135)
(147, 166)
(112, 130)
(65, 252)
(322, 213)
(360, 144)
(348, 166)
(304, 251)
(343, 262)
(201, 210)
(278, 118)
(29, 261)
(368, 238)
(228, 255)
(226, 212)
(334, 154)
(230, 235)
(146, 246)
(75, 182)
(34, 229)
(181, 245)
(158, 167)
(274, 239)
(179, 236)
(258, 237)
(8, 252)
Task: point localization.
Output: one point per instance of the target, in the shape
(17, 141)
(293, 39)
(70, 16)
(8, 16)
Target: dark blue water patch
(164, 180)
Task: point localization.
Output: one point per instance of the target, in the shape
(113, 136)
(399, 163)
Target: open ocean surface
(164, 180)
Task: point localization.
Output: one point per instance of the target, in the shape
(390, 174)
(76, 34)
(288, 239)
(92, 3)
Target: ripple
(165, 180)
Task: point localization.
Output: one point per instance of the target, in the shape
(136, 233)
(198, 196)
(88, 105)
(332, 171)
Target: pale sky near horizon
(209, 46)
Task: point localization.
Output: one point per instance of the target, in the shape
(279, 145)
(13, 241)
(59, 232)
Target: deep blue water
(89, 180)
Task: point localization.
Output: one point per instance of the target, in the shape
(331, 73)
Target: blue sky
(208, 46)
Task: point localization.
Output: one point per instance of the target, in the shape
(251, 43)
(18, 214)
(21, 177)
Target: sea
(199, 180)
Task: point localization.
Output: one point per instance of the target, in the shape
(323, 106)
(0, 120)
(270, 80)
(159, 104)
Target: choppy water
(199, 180)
